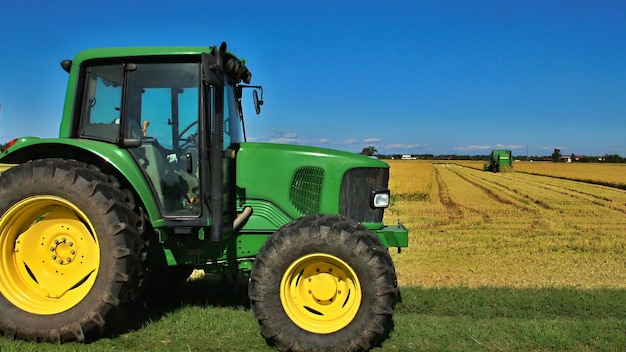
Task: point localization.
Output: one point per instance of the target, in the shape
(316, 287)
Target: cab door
(162, 110)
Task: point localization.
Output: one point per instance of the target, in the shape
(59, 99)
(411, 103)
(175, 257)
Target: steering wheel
(191, 139)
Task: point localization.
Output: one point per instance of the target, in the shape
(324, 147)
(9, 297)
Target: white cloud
(371, 140)
(349, 141)
(405, 146)
(551, 148)
(285, 138)
(508, 146)
(473, 147)
(323, 141)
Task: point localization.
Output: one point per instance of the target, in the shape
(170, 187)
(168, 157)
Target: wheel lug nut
(51, 249)
(60, 261)
(69, 260)
(71, 243)
(63, 239)
(73, 252)
(56, 241)
(54, 257)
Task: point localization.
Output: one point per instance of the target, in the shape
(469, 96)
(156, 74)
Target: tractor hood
(284, 182)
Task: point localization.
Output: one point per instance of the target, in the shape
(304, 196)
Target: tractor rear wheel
(68, 250)
(323, 282)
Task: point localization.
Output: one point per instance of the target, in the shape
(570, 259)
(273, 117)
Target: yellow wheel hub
(320, 293)
(49, 255)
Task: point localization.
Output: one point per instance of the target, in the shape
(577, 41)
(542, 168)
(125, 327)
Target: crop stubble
(474, 228)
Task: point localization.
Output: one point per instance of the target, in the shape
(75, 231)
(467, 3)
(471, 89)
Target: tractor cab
(171, 115)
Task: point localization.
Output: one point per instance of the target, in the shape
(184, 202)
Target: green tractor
(151, 177)
(499, 161)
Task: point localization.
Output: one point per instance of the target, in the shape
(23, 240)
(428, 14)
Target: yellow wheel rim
(320, 293)
(49, 255)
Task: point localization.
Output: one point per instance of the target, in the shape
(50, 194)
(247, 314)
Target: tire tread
(112, 205)
(329, 234)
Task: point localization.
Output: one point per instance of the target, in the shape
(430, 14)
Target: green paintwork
(499, 161)
(275, 165)
(394, 236)
(504, 157)
(117, 157)
(266, 190)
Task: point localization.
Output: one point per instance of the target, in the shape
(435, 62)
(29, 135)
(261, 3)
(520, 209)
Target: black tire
(300, 286)
(67, 230)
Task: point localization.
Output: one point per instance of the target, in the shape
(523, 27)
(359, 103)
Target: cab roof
(104, 53)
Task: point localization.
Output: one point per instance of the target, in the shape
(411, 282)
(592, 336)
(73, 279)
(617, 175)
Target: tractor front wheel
(323, 282)
(68, 248)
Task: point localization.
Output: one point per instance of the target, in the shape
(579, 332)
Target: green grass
(203, 316)
(494, 319)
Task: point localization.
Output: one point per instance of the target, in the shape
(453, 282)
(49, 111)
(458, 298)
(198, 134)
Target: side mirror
(66, 65)
(257, 102)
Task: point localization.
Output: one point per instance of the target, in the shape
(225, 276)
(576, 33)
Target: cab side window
(102, 100)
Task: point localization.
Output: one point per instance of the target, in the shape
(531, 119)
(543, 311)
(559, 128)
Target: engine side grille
(306, 189)
(356, 189)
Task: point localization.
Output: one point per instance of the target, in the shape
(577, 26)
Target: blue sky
(437, 77)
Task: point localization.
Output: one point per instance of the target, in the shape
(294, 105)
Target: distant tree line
(577, 159)
(436, 157)
(607, 158)
(556, 157)
(369, 151)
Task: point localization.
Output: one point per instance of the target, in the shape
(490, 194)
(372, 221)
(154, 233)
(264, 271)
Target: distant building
(408, 157)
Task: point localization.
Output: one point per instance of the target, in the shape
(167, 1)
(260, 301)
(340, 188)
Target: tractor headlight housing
(380, 199)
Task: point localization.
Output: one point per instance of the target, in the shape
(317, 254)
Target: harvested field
(613, 175)
(4, 167)
(517, 230)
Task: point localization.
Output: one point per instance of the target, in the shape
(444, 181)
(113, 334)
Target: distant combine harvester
(500, 161)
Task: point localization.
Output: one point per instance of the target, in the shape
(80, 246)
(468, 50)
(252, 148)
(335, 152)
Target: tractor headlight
(379, 199)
